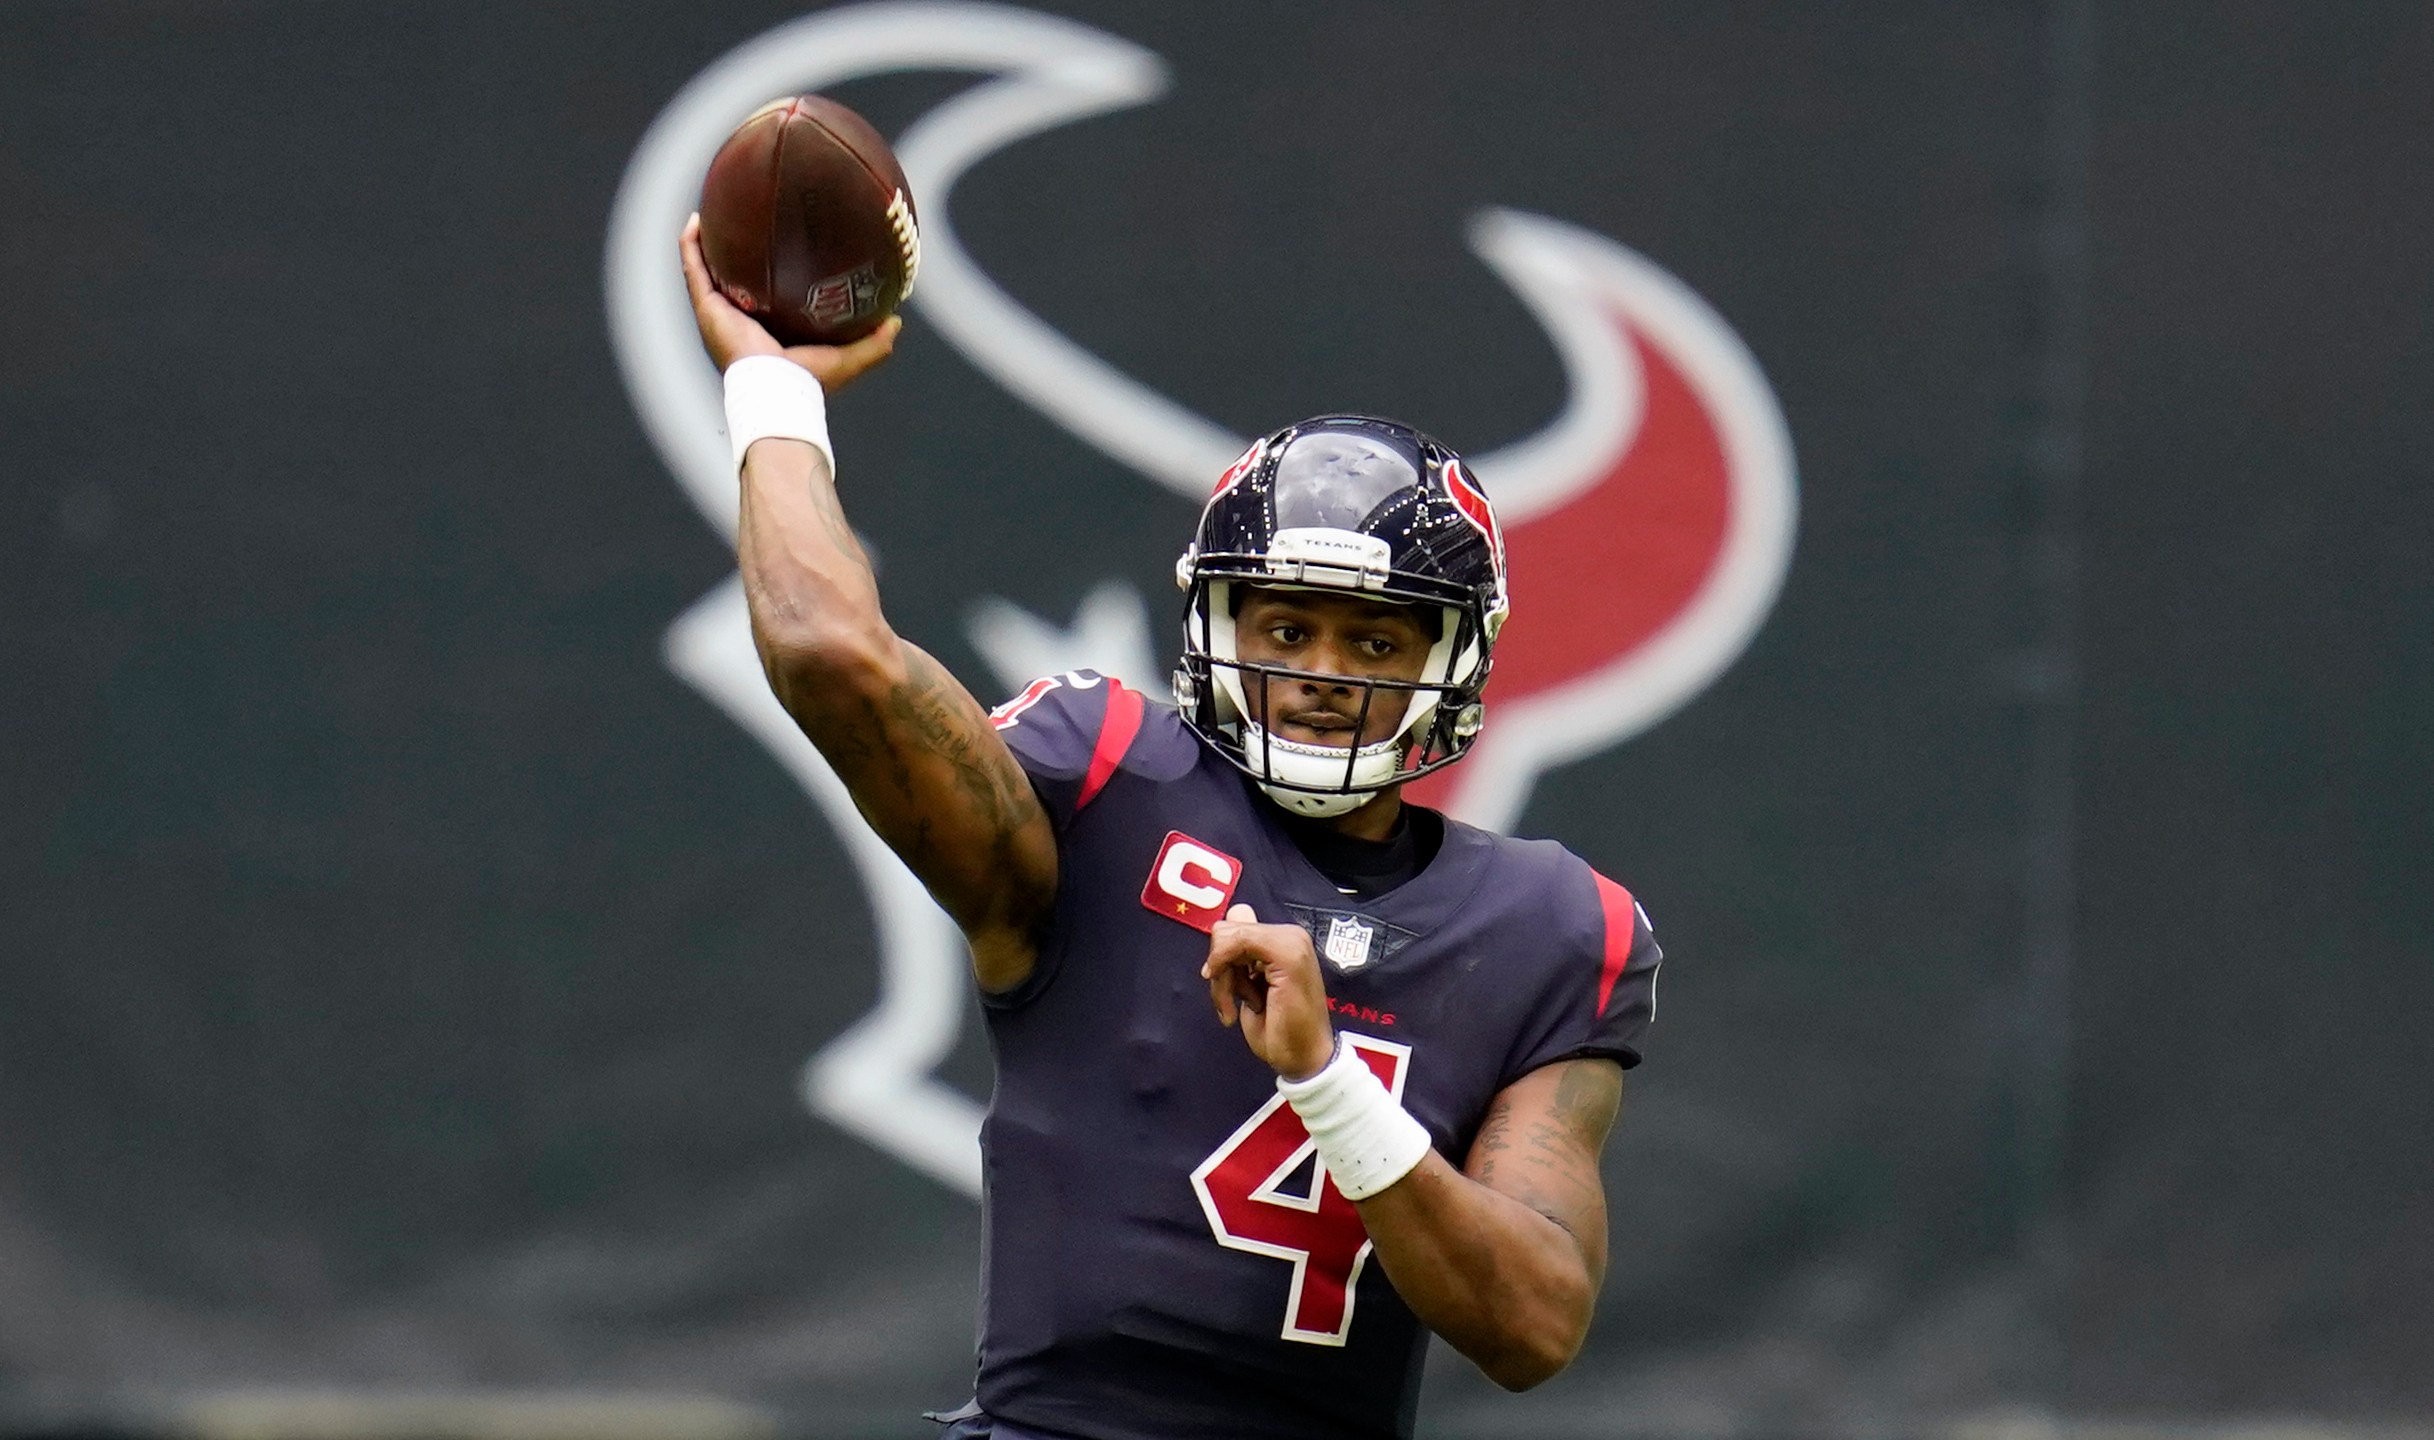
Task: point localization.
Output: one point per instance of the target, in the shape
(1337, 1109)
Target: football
(807, 224)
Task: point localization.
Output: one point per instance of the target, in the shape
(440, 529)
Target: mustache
(1323, 718)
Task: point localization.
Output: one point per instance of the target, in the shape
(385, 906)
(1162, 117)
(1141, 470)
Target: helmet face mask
(1345, 505)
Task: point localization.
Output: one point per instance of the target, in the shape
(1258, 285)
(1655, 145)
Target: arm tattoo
(929, 715)
(1547, 1160)
(916, 752)
(1589, 1099)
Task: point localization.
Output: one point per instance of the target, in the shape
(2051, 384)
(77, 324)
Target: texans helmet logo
(1648, 526)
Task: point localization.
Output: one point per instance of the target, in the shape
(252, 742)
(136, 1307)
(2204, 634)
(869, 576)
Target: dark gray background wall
(403, 976)
(2249, 1098)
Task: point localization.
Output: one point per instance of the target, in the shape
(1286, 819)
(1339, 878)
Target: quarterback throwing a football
(1431, 1022)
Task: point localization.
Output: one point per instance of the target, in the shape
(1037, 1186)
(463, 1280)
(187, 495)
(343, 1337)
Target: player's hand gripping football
(1266, 979)
(729, 334)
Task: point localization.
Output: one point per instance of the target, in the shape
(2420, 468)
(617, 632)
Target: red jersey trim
(1116, 731)
(1622, 916)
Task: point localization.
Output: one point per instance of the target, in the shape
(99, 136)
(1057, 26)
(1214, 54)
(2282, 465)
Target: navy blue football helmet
(1365, 506)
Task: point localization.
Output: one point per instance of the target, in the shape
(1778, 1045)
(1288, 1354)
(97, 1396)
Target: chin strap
(1339, 780)
(1317, 804)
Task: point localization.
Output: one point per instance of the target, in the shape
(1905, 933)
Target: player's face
(1347, 635)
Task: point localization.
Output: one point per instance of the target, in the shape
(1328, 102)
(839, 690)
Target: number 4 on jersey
(1241, 1189)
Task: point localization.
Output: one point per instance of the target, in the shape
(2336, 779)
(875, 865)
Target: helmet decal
(1234, 472)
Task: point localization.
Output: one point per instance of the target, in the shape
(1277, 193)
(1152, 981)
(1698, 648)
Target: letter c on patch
(1191, 882)
(1183, 860)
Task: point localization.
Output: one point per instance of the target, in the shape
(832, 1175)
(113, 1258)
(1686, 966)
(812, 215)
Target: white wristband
(1366, 1140)
(769, 397)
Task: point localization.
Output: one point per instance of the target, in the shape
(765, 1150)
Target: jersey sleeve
(1602, 1001)
(1069, 732)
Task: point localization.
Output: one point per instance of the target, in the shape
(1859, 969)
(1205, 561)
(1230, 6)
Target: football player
(1194, 1233)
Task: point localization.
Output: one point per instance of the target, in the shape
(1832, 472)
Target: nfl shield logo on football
(843, 297)
(1348, 940)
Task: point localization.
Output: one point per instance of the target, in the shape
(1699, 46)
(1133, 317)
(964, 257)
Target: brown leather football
(806, 222)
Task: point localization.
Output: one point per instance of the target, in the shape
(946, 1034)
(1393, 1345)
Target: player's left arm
(1502, 1257)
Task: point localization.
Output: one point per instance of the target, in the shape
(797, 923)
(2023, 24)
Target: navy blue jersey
(1164, 1258)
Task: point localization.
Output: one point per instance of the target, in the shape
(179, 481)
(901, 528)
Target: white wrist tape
(1366, 1140)
(769, 397)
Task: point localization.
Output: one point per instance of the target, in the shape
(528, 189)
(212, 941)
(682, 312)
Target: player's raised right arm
(917, 752)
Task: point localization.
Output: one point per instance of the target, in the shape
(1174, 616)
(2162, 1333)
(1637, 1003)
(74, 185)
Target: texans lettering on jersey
(1164, 1256)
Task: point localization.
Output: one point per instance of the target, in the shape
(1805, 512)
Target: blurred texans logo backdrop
(1649, 523)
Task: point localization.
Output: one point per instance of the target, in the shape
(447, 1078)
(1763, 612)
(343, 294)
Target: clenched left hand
(1266, 979)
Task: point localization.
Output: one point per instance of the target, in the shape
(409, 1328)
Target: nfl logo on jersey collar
(1348, 940)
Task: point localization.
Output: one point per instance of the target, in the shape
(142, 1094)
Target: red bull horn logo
(1648, 526)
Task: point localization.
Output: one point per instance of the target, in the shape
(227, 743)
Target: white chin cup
(1310, 779)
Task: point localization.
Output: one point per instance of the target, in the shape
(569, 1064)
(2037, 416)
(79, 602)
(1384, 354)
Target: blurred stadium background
(406, 975)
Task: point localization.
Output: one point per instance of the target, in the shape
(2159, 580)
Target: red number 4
(1241, 1190)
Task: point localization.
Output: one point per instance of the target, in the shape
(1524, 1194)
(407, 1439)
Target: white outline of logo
(1590, 294)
